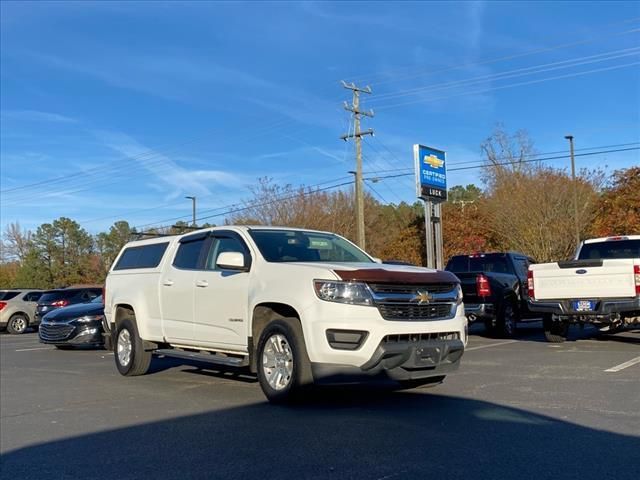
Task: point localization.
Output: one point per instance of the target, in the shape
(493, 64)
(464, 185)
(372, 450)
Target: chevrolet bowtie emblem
(422, 297)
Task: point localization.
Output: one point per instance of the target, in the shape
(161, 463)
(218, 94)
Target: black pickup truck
(494, 287)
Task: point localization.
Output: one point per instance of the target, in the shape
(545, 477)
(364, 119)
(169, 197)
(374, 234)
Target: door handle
(202, 283)
(167, 283)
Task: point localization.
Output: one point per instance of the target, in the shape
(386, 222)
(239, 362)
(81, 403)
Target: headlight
(90, 318)
(458, 295)
(343, 292)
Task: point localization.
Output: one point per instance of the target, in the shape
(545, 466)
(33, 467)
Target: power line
(525, 156)
(506, 57)
(518, 72)
(530, 82)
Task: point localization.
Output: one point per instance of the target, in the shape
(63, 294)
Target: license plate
(584, 305)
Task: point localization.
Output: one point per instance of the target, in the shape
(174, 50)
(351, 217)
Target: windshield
(478, 263)
(610, 249)
(300, 246)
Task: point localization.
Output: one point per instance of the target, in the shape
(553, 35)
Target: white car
(601, 286)
(295, 306)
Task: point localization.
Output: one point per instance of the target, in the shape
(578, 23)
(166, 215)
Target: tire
(508, 320)
(64, 347)
(17, 324)
(284, 369)
(489, 327)
(129, 353)
(424, 382)
(555, 332)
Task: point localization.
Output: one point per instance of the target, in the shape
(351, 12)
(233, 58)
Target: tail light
(636, 274)
(4, 304)
(531, 290)
(483, 288)
(60, 303)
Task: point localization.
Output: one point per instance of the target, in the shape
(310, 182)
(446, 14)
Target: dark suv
(54, 299)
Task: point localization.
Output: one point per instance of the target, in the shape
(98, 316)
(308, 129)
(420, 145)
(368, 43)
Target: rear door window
(188, 254)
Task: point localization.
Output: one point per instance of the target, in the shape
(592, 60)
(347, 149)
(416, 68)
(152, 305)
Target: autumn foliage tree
(618, 208)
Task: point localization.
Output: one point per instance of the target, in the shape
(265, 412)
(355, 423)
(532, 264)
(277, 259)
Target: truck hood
(381, 273)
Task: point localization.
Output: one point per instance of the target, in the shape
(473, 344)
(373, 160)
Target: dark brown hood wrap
(380, 275)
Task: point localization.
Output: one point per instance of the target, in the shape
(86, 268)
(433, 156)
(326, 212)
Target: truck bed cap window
(143, 256)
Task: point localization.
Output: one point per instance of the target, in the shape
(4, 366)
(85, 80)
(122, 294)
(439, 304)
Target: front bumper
(369, 356)
(68, 333)
(607, 309)
(399, 357)
(479, 311)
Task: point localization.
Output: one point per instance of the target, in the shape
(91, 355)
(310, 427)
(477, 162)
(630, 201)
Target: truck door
(521, 266)
(222, 296)
(177, 288)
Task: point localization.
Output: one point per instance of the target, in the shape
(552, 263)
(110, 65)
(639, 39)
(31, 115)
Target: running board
(205, 357)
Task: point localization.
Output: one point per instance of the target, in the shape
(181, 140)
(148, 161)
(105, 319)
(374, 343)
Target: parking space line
(624, 365)
(29, 349)
(490, 345)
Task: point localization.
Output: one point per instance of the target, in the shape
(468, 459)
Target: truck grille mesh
(407, 311)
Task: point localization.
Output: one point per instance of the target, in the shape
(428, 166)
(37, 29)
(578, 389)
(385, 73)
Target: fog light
(346, 339)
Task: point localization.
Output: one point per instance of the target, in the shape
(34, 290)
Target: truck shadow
(336, 434)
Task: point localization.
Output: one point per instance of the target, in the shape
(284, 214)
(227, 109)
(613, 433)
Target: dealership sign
(431, 173)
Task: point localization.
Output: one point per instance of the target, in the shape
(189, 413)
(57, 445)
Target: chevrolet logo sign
(433, 161)
(422, 297)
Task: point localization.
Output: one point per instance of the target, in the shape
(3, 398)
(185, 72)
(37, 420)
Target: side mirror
(231, 261)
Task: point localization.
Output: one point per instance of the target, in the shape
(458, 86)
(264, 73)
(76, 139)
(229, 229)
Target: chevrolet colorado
(296, 307)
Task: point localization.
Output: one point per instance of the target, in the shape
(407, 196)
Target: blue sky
(118, 110)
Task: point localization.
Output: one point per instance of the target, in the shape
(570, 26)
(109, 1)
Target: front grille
(409, 311)
(55, 333)
(419, 337)
(411, 289)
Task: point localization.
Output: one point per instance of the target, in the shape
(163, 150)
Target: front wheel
(18, 323)
(555, 331)
(283, 364)
(130, 355)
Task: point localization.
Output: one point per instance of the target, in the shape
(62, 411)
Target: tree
(16, 242)
(109, 244)
(61, 254)
(618, 208)
(458, 193)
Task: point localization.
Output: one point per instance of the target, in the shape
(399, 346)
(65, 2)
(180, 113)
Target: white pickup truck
(601, 286)
(296, 307)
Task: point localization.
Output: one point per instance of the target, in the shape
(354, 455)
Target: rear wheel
(18, 323)
(508, 320)
(555, 331)
(283, 365)
(130, 355)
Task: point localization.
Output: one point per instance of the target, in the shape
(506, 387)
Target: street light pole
(193, 204)
(575, 189)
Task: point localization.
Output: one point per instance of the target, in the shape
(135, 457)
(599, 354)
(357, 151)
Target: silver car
(18, 309)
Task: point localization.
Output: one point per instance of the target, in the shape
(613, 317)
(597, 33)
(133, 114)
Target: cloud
(37, 116)
(175, 180)
(170, 75)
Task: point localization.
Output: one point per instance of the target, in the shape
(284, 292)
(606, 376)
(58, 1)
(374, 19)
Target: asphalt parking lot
(517, 408)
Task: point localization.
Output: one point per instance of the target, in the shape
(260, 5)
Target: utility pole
(357, 135)
(575, 189)
(193, 204)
